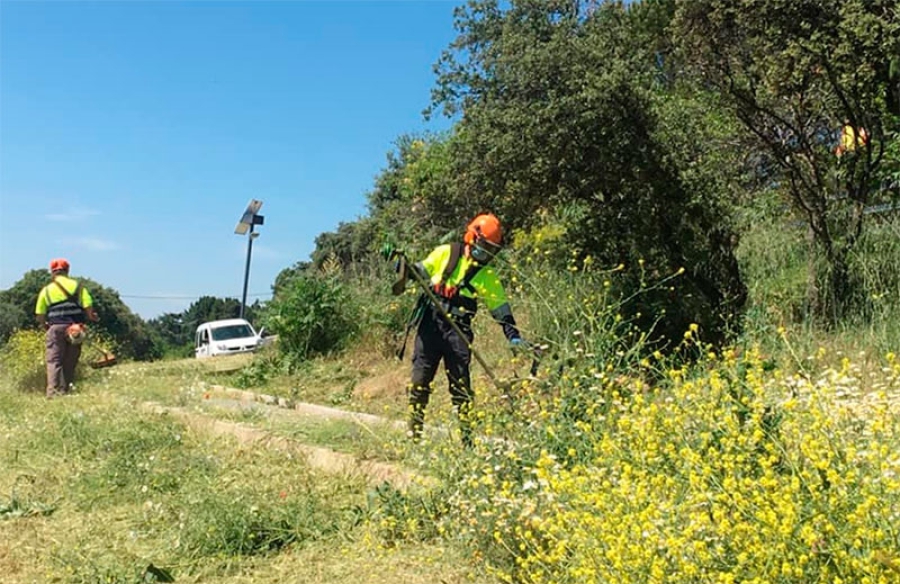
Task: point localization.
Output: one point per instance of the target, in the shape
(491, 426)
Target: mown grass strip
(319, 458)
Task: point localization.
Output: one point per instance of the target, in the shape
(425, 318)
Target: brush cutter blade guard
(106, 359)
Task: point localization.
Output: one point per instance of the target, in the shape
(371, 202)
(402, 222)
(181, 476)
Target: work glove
(518, 344)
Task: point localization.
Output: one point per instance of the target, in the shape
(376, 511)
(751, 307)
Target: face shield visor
(483, 250)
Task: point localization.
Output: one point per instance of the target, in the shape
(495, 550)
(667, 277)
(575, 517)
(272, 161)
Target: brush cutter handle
(520, 345)
(399, 285)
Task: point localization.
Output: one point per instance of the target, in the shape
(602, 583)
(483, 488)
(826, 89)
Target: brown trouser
(62, 357)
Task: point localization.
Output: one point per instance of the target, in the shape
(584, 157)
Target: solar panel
(249, 217)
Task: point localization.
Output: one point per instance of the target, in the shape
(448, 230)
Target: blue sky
(133, 134)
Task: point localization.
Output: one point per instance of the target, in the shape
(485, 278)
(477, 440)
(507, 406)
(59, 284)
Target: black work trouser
(436, 340)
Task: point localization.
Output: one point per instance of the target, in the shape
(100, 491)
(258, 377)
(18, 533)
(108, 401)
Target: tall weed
(23, 358)
(722, 471)
(778, 263)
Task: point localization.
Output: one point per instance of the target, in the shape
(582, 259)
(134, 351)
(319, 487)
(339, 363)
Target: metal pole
(247, 270)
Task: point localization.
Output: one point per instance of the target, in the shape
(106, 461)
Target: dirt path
(323, 459)
(301, 407)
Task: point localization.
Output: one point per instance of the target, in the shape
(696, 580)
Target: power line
(149, 297)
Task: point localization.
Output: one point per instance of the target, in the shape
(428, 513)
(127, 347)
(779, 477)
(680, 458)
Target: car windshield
(234, 331)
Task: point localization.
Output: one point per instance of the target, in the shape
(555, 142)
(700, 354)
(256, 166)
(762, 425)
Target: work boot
(416, 421)
(418, 400)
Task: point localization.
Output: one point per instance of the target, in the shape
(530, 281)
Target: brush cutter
(77, 333)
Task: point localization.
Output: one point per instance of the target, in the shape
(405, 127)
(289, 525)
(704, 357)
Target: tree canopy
(570, 109)
(798, 74)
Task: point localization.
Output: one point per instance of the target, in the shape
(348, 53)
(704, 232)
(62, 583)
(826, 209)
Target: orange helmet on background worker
(484, 237)
(59, 265)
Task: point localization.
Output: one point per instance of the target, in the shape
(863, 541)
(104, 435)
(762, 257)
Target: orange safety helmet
(483, 237)
(59, 265)
(485, 226)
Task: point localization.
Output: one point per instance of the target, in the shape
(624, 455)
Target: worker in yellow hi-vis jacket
(851, 139)
(459, 274)
(63, 306)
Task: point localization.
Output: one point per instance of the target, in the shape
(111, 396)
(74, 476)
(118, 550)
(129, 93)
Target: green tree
(287, 274)
(351, 244)
(23, 295)
(413, 200)
(12, 318)
(410, 205)
(132, 336)
(207, 308)
(566, 111)
(174, 333)
(21, 298)
(794, 72)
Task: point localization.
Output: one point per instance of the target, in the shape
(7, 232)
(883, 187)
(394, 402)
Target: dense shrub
(725, 471)
(312, 315)
(22, 360)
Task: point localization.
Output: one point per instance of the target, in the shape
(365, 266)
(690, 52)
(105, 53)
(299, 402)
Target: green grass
(95, 489)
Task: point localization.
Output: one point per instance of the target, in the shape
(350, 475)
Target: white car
(226, 337)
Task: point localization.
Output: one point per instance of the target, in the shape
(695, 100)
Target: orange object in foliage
(851, 138)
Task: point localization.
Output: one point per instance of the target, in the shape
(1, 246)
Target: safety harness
(65, 311)
(452, 293)
(461, 307)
